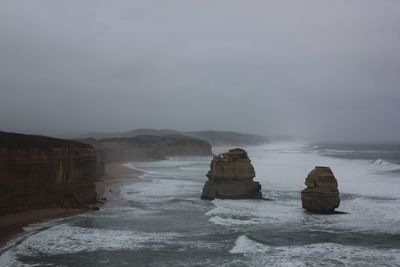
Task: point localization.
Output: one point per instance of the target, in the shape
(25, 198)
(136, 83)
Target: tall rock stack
(321, 194)
(231, 177)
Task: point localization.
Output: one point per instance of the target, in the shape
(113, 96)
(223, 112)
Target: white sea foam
(63, 238)
(236, 212)
(230, 221)
(115, 212)
(8, 258)
(385, 165)
(371, 197)
(157, 190)
(365, 214)
(318, 254)
(371, 204)
(66, 239)
(339, 151)
(131, 165)
(245, 245)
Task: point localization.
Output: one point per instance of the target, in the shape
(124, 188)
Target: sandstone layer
(321, 194)
(231, 177)
(38, 172)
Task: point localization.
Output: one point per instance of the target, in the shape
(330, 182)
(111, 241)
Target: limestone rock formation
(321, 194)
(231, 177)
(39, 171)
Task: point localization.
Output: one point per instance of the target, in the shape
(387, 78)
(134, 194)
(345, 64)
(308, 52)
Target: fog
(326, 70)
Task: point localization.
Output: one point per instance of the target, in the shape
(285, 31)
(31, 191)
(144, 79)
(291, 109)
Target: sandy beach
(107, 191)
(116, 175)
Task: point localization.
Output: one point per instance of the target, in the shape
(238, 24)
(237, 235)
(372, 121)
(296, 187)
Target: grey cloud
(325, 70)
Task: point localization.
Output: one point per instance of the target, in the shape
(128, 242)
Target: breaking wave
(316, 254)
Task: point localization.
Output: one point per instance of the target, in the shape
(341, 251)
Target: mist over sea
(166, 223)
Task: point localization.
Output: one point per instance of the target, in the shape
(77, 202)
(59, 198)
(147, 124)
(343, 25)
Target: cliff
(215, 138)
(147, 147)
(231, 176)
(39, 171)
(100, 164)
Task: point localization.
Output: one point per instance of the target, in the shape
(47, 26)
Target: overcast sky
(323, 69)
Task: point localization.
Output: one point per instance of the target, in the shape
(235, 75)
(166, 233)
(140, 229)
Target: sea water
(166, 223)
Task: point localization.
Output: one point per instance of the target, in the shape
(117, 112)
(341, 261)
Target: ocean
(167, 224)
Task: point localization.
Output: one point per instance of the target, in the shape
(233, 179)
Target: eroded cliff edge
(39, 171)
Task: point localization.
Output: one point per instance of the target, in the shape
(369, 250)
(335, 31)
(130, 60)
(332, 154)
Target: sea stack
(321, 194)
(231, 177)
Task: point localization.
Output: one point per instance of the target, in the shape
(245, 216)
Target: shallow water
(166, 223)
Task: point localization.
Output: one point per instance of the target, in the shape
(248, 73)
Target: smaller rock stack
(231, 177)
(321, 194)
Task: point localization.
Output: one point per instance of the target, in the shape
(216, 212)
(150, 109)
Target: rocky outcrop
(38, 171)
(231, 177)
(321, 194)
(148, 147)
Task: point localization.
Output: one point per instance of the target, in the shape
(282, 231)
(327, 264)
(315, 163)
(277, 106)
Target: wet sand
(117, 175)
(107, 196)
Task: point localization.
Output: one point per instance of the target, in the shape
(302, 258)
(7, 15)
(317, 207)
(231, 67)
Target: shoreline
(107, 191)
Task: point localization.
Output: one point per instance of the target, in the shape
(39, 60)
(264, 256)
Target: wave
(132, 166)
(245, 245)
(315, 254)
(251, 212)
(385, 165)
(158, 190)
(191, 168)
(229, 221)
(329, 150)
(65, 239)
(381, 162)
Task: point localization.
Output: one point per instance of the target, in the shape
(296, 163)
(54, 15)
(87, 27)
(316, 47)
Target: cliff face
(146, 147)
(38, 171)
(100, 165)
(231, 176)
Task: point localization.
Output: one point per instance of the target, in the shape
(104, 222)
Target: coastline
(107, 190)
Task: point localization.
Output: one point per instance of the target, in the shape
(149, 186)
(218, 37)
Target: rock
(39, 172)
(231, 177)
(321, 194)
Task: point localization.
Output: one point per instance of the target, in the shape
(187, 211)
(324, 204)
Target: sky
(325, 70)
